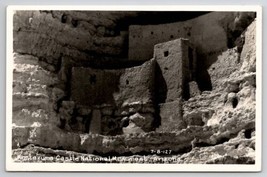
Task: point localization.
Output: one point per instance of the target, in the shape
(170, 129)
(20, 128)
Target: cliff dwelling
(126, 83)
(110, 98)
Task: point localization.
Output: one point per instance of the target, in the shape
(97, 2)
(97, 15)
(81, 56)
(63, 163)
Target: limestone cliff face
(218, 125)
(230, 108)
(79, 35)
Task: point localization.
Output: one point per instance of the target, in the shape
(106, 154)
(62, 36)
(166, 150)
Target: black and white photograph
(114, 88)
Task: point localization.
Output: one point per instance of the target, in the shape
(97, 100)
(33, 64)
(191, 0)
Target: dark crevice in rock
(238, 26)
(222, 140)
(125, 123)
(59, 63)
(62, 123)
(234, 102)
(68, 84)
(46, 11)
(248, 133)
(64, 18)
(74, 23)
(202, 144)
(93, 79)
(156, 17)
(25, 145)
(87, 121)
(203, 78)
(186, 91)
(157, 118)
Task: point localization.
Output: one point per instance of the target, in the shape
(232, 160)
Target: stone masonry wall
(105, 101)
(211, 34)
(205, 29)
(113, 87)
(94, 87)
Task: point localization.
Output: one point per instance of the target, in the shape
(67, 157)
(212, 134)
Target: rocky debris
(199, 117)
(227, 153)
(133, 107)
(132, 143)
(111, 126)
(120, 144)
(203, 103)
(132, 128)
(105, 119)
(144, 121)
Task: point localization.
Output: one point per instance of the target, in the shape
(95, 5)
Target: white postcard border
(98, 167)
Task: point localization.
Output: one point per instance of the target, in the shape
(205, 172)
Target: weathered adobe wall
(177, 65)
(94, 87)
(105, 101)
(113, 87)
(176, 68)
